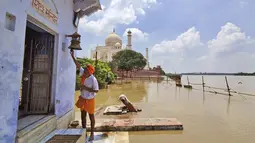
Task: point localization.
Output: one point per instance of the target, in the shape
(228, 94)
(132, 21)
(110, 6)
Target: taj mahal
(113, 44)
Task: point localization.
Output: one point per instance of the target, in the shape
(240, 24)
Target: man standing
(89, 88)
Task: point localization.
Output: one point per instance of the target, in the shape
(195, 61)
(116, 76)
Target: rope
(224, 89)
(215, 92)
(216, 88)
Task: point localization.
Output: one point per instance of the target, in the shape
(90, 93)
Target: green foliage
(128, 60)
(162, 72)
(102, 71)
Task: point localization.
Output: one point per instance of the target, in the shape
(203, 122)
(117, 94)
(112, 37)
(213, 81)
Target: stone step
(33, 128)
(136, 124)
(66, 135)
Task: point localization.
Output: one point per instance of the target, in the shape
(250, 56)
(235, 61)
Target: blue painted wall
(11, 62)
(65, 81)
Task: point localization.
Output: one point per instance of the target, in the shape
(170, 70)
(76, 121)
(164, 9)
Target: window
(10, 21)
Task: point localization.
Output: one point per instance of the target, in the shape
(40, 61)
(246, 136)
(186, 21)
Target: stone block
(137, 124)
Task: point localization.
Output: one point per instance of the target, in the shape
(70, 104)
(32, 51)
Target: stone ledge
(70, 133)
(38, 130)
(138, 124)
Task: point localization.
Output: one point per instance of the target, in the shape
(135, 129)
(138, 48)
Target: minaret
(129, 44)
(147, 58)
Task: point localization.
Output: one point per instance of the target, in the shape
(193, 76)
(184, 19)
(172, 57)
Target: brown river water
(206, 117)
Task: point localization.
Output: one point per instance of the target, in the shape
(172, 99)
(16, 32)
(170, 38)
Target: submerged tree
(127, 61)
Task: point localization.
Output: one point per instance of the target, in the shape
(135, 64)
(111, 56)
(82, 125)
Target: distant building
(113, 44)
(37, 82)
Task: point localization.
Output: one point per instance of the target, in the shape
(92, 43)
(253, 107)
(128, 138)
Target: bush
(102, 71)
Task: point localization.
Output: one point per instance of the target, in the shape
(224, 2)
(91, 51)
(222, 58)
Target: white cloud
(99, 13)
(86, 52)
(118, 12)
(137, 34)
(230, 51)
(228, 39)
(202, 58)
(187, 40)
(140, 11)
(174, 53)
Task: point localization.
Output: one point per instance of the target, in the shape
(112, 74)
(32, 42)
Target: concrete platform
(137, 124)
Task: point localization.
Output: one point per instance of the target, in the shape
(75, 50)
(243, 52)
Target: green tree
(102, 71)
(162, 72)
(128, 60)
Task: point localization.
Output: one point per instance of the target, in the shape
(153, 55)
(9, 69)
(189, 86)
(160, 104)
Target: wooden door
(37, 74)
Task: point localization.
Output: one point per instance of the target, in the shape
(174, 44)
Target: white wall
(11, 62)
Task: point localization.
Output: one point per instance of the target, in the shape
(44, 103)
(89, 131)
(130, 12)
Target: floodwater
(206, 117)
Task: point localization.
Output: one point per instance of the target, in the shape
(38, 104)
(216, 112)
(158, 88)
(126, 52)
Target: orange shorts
(87, 105)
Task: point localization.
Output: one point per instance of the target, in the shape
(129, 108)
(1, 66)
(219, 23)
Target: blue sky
(182, 35)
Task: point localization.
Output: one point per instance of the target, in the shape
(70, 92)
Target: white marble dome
(113, 39)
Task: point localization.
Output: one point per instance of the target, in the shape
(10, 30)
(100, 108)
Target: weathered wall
(65, 81)
(11, 53)
(11, 62)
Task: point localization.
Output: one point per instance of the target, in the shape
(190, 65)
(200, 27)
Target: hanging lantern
(75, 43)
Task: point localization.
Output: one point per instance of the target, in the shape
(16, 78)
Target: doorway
(37, 72)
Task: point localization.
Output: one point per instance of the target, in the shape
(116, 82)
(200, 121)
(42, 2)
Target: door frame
(53, 81)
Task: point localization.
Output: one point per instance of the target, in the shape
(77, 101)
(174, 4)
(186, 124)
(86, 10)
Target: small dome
(117, 45)
(113, 39)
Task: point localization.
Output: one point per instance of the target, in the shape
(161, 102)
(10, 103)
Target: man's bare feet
(91, 138)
